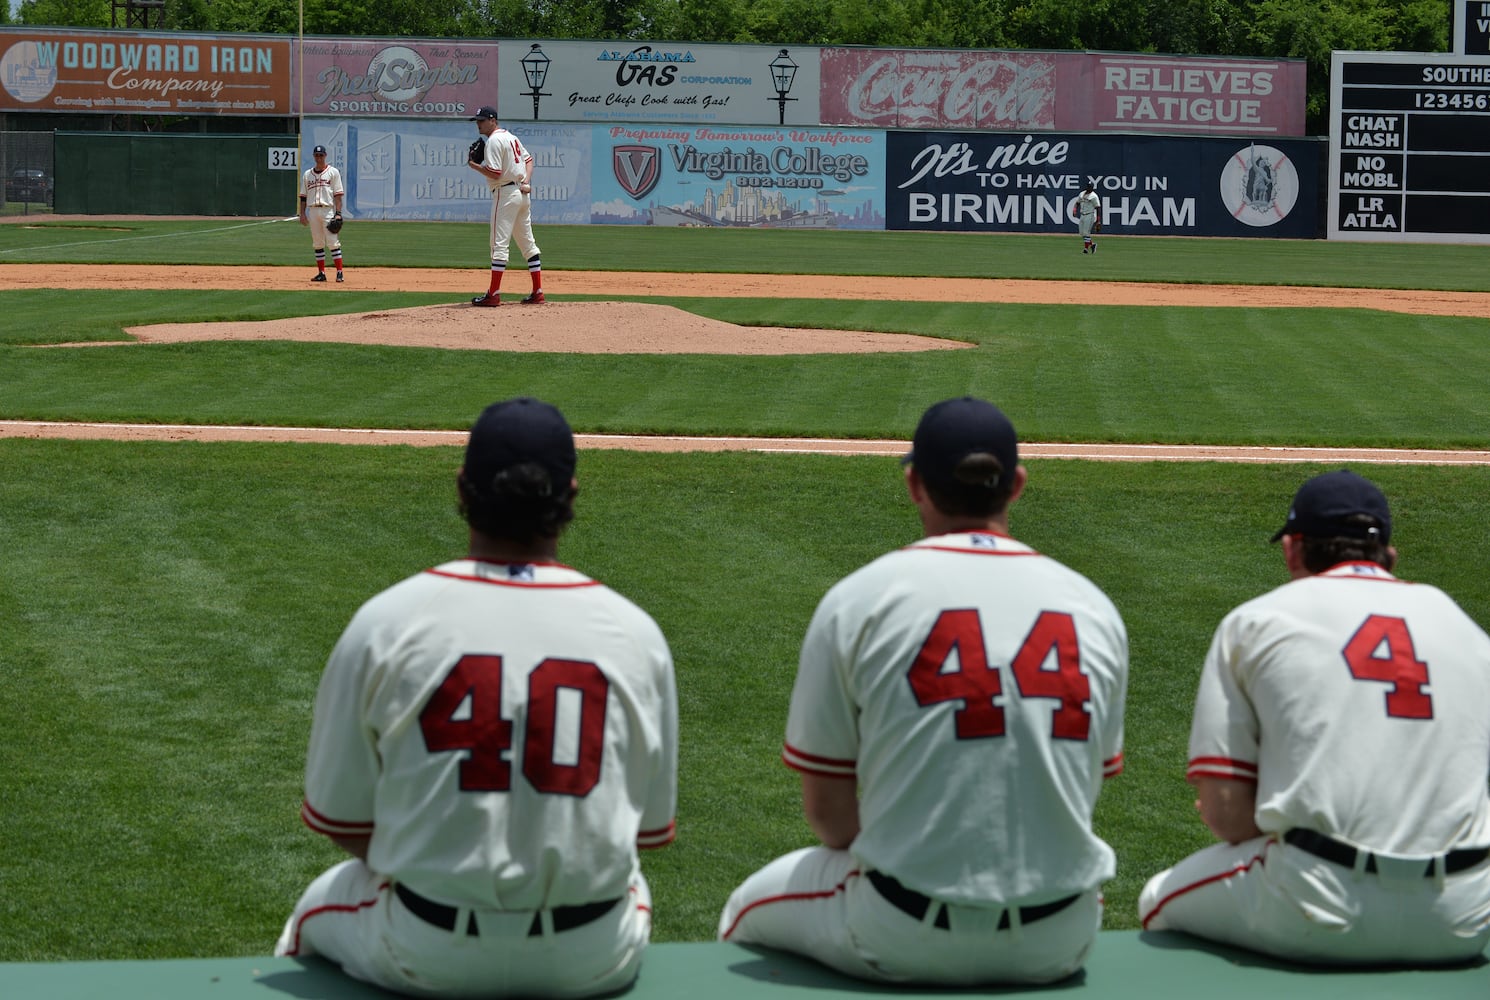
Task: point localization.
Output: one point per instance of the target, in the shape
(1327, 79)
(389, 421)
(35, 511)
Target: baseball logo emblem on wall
(26, 75)
(399, 73)
(637, 169)
(1259, 185)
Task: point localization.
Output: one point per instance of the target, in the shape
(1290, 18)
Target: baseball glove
(477, 152)
(334, 226)
(1097, 226)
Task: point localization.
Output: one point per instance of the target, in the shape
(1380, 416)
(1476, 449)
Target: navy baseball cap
(318, 151)
(518, 431)
(952, 430)
(1322, 506)
(485, 111)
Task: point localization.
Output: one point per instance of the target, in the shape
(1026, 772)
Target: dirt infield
(616, 327)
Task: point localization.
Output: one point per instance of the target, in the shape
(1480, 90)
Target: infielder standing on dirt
(321, 194)
(957, 706)
(1089, 215)
(493, 740)
(508, 168)
(1340, 749)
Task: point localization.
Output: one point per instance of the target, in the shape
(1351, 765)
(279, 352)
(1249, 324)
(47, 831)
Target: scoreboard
(1409, 147)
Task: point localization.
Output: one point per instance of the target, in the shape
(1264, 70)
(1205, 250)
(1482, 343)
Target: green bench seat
(1125, 965)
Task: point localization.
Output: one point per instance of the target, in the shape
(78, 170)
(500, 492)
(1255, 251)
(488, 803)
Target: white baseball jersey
(1360, 705)
(505, 153)
(1088, 204)
(975, 688)
(506, 733)
(318, 188)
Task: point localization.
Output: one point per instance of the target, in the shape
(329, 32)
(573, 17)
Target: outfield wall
(839, 178)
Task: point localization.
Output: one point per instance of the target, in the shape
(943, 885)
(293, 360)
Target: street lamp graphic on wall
(783, 73)
(535, 68)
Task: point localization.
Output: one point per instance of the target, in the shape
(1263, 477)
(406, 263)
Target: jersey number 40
(465, 713)
(977, 685)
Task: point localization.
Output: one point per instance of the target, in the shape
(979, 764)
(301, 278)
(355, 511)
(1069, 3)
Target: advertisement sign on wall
(765, 178)
(396, 79)
(1472, 27)
(1180, 94)
(912, 88)
(1150, 186)
(664, 82)
(142, 73)
(1061, 91)
(398, 169)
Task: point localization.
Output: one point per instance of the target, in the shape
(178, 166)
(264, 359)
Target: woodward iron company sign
(143, 73)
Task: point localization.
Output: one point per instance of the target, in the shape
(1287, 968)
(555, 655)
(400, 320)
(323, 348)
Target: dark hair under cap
(1339, 505)
(952, 430)
(520, 431)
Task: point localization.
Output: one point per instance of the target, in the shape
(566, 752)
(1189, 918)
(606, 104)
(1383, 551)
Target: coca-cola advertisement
(905, 88)
(1062, 91)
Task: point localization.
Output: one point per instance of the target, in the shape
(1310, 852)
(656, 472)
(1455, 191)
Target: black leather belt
(1344, 855)
(913, 904)
(566, 918)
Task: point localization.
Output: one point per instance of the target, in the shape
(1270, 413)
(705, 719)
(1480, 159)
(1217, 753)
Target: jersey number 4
(977, 685)
(465, 713)
(1381, 650)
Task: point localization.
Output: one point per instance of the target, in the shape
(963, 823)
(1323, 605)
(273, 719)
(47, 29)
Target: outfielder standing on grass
(957, 706)
(321, 194)
(493, 740)
(1340, 749)
(508, 168)
(1089, 216)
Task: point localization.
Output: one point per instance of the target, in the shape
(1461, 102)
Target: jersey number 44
(977, 685)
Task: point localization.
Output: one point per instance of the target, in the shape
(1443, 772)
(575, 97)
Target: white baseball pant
(352, 916)
(816, 902)
(1274, 898)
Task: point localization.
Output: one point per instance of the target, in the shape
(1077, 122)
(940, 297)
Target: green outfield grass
(167, 610)
(767, 251)
(1071, 373)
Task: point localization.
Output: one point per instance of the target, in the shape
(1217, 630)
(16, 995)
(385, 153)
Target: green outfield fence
(132, 173)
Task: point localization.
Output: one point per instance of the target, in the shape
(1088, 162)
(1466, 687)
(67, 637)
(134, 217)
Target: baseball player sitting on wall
(321, 194)
(492, 741)
(957, 706)
(508, 168)
(1340, 750)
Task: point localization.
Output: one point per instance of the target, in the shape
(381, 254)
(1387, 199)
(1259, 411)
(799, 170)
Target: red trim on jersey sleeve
(646, 839)
(786, 897)
(1221, 767)
(1112, 768)
(828, 767)
(1242, 869)
(324, 824)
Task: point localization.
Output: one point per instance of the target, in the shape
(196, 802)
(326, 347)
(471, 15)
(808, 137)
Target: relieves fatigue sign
(1410, 148)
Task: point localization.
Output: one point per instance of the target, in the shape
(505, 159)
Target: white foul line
(676, 443)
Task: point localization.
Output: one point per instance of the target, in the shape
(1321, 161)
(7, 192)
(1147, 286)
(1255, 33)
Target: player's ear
(914, 485)
(1021, 477)
(1293, 556)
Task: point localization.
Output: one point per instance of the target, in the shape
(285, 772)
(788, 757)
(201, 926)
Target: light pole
(783, 72)
(535, 68)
